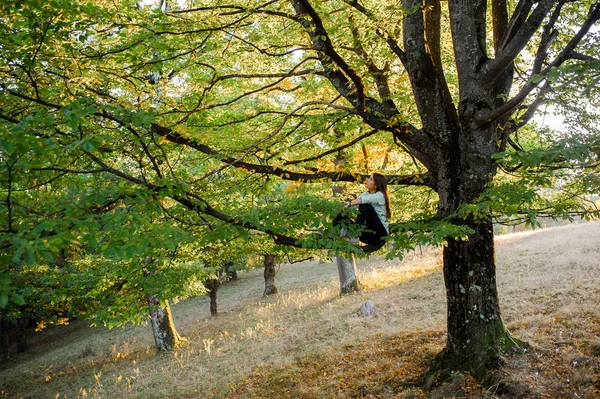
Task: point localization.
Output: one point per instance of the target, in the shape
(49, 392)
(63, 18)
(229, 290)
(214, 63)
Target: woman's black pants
(368, 218)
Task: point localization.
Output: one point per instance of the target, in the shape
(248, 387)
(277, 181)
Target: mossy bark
(476, 334)
(165, 335)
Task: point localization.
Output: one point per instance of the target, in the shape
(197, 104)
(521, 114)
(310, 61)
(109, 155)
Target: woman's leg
(369, 218)
(343, 219)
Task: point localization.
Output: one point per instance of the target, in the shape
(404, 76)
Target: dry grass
(309, 342)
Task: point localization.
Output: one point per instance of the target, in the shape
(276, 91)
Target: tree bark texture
(212, 285)
(165, 335)
(476, 333)
(213, 301)
(270, 275)
(347, 271)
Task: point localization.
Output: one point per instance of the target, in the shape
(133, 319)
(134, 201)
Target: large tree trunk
(270, 275)
(163, 328)
(476, 334)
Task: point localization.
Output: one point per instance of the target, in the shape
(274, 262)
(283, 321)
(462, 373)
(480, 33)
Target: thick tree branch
(565, 54)
(549, 34)
(379, 115)
(468, 23)
(429, 89)
(495, 66)
(433, 14)
(499, 22)
(433, 18)
(336, 69)
(200, 205)
(168, 134)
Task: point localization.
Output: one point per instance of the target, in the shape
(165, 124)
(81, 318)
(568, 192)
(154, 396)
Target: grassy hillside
(308, 342)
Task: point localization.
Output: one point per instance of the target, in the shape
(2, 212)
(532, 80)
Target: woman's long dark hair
(381, 185)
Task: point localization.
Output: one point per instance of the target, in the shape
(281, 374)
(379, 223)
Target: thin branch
(495, 66)
(278, 129)
(565, 54)
(330, 59)
(583, 57)
(202, 207)
(334, 150)
(380, 31)
(71, 171)
(282, 77)
(419, 180)
(530, 112)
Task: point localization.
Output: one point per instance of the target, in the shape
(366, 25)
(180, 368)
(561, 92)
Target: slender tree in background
(270, 274)
(262, 96)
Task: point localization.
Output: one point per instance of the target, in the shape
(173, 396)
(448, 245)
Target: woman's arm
(356, 201)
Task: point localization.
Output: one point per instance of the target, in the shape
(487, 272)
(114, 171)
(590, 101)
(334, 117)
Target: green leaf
(3, 299)
(17, 299)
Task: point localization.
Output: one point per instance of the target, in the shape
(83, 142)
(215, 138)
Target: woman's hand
(356, 201)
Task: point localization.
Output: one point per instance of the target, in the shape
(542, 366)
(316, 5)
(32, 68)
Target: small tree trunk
(4, 338)
(212, 285)
(346, 266)
(270, 275)
(347, 271)
(213, 301)
(21, 338)
(163, 328)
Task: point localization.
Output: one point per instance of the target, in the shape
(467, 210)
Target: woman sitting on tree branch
(373, 213)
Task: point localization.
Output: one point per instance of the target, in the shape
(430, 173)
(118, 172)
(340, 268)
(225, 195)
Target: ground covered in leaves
(564, 362)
